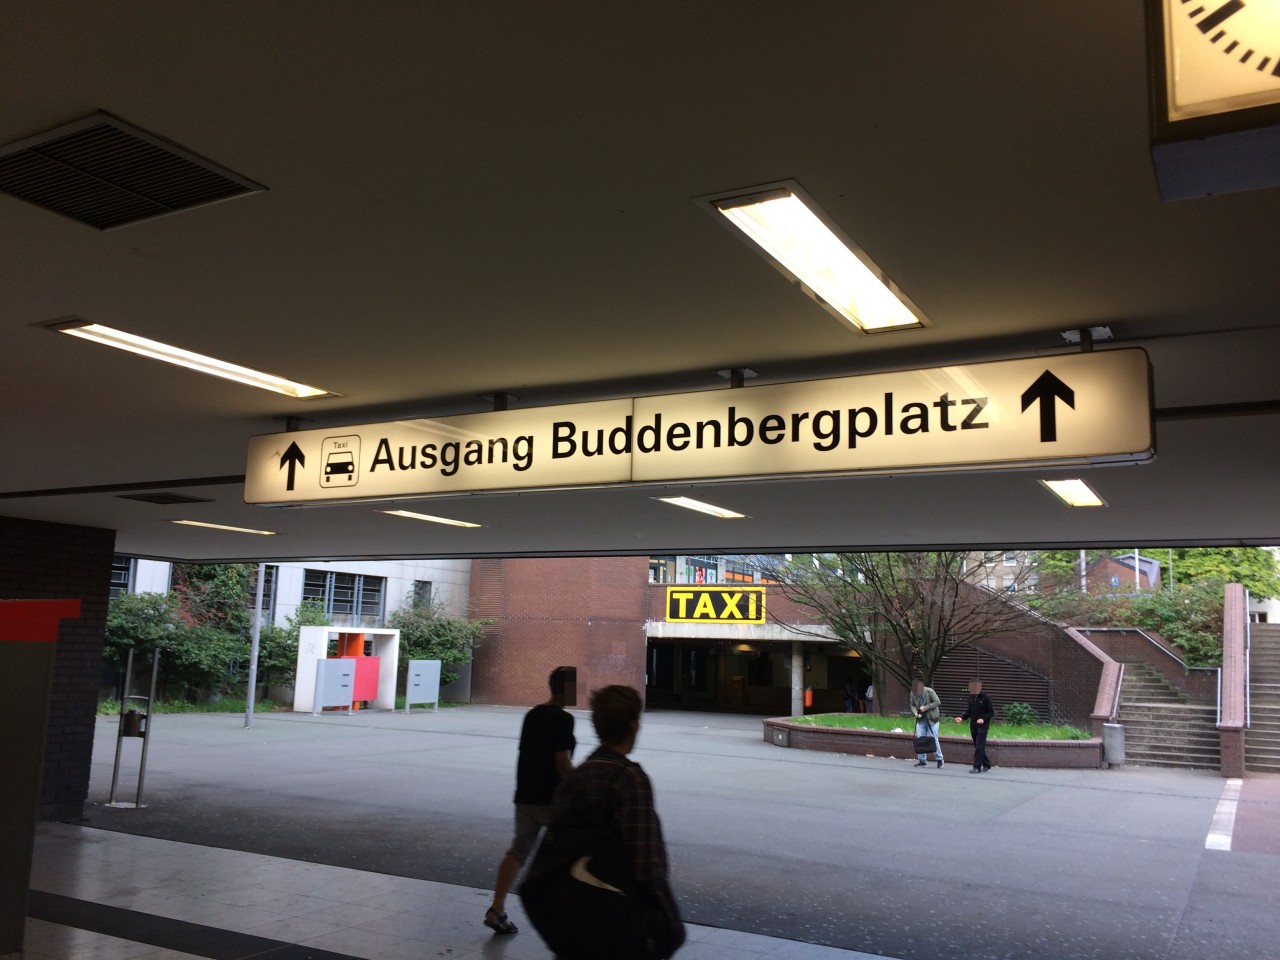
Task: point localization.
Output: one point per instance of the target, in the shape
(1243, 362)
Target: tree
(278, 646)
(903, 612)
(427, 635)
(1255, 567)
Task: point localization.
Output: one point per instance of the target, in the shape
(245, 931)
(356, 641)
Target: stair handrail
(1115, 702)
(1248, 648)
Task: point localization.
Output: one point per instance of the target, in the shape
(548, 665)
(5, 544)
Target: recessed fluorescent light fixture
(802, 243)
(427, 517)
(1074, 493)
(690, 504)
(219, 526)
(110, 337)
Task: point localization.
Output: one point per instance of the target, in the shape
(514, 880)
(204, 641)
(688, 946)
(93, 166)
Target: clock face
(1221, 55)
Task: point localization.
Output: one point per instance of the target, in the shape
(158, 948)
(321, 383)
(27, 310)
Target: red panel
(366, 682)
(35, 620)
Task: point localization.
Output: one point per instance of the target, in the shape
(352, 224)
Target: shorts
(530, 819)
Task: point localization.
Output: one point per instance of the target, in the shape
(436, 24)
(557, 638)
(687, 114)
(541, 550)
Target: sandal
(498, 922)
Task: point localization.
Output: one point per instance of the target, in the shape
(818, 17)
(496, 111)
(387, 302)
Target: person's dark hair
(614, 710)
(560, 679)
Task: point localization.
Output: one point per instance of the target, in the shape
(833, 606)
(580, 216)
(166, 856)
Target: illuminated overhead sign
(1084, 408)
(689, 604)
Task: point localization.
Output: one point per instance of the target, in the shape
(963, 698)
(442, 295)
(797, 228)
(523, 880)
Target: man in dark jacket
(979, 713)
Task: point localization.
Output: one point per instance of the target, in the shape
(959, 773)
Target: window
(1010, 559)
(422, 594)
(122, 570)
(662, 569)
(268, 593)
(702, 569)
(350, 599)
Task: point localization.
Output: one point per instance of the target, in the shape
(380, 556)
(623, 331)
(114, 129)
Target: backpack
(579, 894)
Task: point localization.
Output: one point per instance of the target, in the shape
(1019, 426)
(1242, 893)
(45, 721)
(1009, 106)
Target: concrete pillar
(797, 678)
(28, 630)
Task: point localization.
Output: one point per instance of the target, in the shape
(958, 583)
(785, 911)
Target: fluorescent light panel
(1074, 493)
(219, 526)
(691, 504)
(845, 279)
(110, 337)
(427, 517)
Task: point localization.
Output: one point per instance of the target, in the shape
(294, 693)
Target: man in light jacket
(927, 709)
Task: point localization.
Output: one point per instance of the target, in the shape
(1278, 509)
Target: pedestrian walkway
(101, 895)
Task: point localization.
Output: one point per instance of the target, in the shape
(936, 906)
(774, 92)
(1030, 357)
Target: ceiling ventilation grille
(162, 499)
(106, 174)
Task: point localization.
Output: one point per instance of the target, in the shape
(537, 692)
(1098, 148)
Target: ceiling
(469, 199)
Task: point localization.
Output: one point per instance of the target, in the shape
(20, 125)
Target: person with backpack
(599, 886)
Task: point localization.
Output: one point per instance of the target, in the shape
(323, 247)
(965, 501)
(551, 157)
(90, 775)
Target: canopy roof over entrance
(464, 200)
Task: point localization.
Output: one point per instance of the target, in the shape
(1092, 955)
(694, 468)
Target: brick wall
(583, 612)
(48, 561)
(1047, 649)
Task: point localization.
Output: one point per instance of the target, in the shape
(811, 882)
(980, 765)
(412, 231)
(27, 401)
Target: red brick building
(603, 616)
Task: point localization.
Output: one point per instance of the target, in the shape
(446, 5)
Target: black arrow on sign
(295, 458)
(1046, 388)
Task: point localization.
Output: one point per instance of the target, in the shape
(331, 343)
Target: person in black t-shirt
(546, 758)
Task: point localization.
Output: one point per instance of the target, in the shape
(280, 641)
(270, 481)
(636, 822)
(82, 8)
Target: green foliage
(218, 595)
(143, 621)
(947, 728)
(1253, 567)
(201, 628)
(111, 708)
(426, 635)
(1020, 713)
(278, 646)
(1190, 616)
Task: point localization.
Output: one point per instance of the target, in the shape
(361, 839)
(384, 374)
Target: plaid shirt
(597, 785)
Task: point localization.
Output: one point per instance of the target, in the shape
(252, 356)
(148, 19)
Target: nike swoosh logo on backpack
(580, 873)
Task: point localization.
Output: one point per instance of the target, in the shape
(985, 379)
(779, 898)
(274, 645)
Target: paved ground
(860, 853)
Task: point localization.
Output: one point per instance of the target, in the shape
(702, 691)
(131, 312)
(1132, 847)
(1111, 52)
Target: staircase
(1262, 739)
(1162, 726)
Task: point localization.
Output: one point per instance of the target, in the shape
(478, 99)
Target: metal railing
(1115, 701)
(1248, 638)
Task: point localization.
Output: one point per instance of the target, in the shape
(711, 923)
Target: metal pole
(124, 699)
(146, 733)
(253, 647)
(1084, 584)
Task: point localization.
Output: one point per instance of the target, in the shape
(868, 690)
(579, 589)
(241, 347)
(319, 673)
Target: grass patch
(999, 731)
(111, 708)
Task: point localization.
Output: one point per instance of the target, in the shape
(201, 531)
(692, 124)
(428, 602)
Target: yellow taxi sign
(694, 604)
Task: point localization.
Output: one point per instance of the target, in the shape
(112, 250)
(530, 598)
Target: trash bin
(1113, 744)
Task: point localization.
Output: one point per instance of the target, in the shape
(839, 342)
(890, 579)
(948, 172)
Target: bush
(426, 635)
(1020, 713)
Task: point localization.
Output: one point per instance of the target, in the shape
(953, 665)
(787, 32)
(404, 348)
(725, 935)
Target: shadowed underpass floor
(860, 853)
